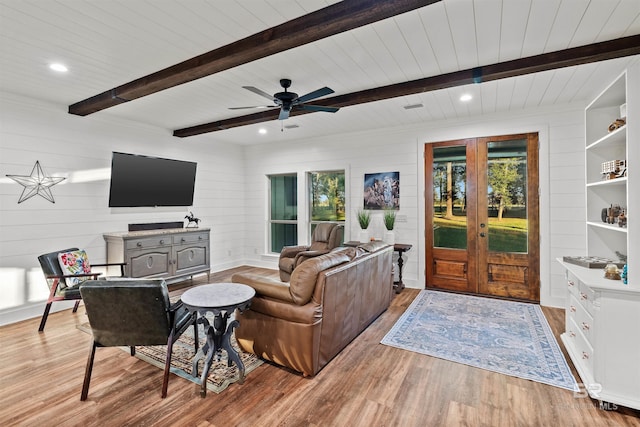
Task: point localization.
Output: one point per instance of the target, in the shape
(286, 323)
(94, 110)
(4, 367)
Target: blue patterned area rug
(510, 338)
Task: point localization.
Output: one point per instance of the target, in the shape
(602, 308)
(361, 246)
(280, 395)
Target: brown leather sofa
(329, 301)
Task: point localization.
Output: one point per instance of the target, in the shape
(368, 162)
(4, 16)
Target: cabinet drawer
(582, 319)
(584, 294)
(190, 238)
(149, 242)
(584, 351)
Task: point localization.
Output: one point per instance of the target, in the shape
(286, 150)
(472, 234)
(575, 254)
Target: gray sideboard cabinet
(172, 254)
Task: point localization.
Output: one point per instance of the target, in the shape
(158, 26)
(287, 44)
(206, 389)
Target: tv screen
(150, 181)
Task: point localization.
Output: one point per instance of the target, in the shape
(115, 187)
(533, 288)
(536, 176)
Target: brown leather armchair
(326, 236)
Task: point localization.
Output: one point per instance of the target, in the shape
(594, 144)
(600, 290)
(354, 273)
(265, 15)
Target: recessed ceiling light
(466, 97)
(59, 67)
(262, 131)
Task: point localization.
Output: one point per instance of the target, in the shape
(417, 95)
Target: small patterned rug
(220, 375)
(507, 337)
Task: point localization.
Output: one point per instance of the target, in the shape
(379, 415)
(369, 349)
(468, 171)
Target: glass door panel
(507, 196)
(449, 197)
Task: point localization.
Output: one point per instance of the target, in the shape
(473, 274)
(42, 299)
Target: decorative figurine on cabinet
(192, 220)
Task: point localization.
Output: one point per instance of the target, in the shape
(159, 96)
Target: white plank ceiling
(106, 43)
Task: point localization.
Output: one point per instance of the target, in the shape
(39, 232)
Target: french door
(481, 205)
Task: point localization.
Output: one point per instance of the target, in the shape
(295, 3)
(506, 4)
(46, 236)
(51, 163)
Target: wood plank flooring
(367, 384)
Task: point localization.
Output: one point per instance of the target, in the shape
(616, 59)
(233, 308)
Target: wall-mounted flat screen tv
(150, 181)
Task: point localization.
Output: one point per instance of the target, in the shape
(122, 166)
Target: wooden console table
(171, 254)
(401, 248)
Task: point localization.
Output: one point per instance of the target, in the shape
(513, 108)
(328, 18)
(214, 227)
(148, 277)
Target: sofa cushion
(373, 246)
(74, 263)
(303, 279)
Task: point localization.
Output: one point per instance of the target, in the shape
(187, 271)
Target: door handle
(482, 234)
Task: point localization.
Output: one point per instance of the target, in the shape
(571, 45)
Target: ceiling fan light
(466, 97)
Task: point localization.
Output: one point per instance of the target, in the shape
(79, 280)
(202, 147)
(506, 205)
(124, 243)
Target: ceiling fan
(287, 100)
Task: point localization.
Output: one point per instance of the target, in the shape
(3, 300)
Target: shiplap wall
(402, 149)
(232, 188)
(80, 148)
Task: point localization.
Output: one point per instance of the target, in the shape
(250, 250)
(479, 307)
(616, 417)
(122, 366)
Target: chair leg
(87, 372)
(44, 317)
(167, 365)
(75, 307)
(133, 350)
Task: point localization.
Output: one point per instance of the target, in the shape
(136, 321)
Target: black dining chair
(130, 313)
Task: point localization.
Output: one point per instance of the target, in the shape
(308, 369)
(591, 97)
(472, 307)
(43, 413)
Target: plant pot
(363, 236)
(390, 237)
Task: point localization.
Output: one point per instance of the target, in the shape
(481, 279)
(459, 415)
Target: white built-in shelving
(603, 315)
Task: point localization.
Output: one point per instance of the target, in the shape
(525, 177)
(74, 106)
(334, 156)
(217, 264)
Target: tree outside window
(327, 197)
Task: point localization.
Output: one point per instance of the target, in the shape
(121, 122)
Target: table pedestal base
(218, 339)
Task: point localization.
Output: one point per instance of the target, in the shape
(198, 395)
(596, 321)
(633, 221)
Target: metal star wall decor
(36, 184)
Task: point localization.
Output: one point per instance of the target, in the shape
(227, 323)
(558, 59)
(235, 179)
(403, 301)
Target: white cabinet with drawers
(171, 254)
(602, 335)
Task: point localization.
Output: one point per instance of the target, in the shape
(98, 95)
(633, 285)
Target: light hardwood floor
(367, 384)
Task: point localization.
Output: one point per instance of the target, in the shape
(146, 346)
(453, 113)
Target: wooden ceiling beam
(617, 48)
(337, 18)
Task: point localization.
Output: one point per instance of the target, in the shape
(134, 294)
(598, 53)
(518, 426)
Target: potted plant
(364, 219)
(389, 219)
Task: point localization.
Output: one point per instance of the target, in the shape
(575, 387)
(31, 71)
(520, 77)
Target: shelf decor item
(591, 261)
(618, 123)
(611, 272)
(613, 169)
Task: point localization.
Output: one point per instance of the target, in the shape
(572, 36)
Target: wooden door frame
(533, 211)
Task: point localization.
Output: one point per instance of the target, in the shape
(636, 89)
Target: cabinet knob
(182, 240)
(162, 242)
(585, 326)
(572, 309)
(583, 296)
(199, 237)
(572, 334)
(585, 355)
(570, 282)
(139, 244)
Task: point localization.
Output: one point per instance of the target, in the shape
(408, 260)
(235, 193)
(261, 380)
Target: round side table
(221, 299)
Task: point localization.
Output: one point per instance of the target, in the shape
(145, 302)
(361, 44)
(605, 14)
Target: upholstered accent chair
(326, 236)
(130, 313)
(64, 270)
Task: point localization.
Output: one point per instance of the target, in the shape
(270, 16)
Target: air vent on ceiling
(412, 106)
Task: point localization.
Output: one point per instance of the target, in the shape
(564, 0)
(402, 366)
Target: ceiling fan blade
(284, 114)
(310, 107)
(254, 106)
(315, 94)
(258, 92)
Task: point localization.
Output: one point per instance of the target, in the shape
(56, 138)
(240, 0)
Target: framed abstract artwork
(382, 190)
